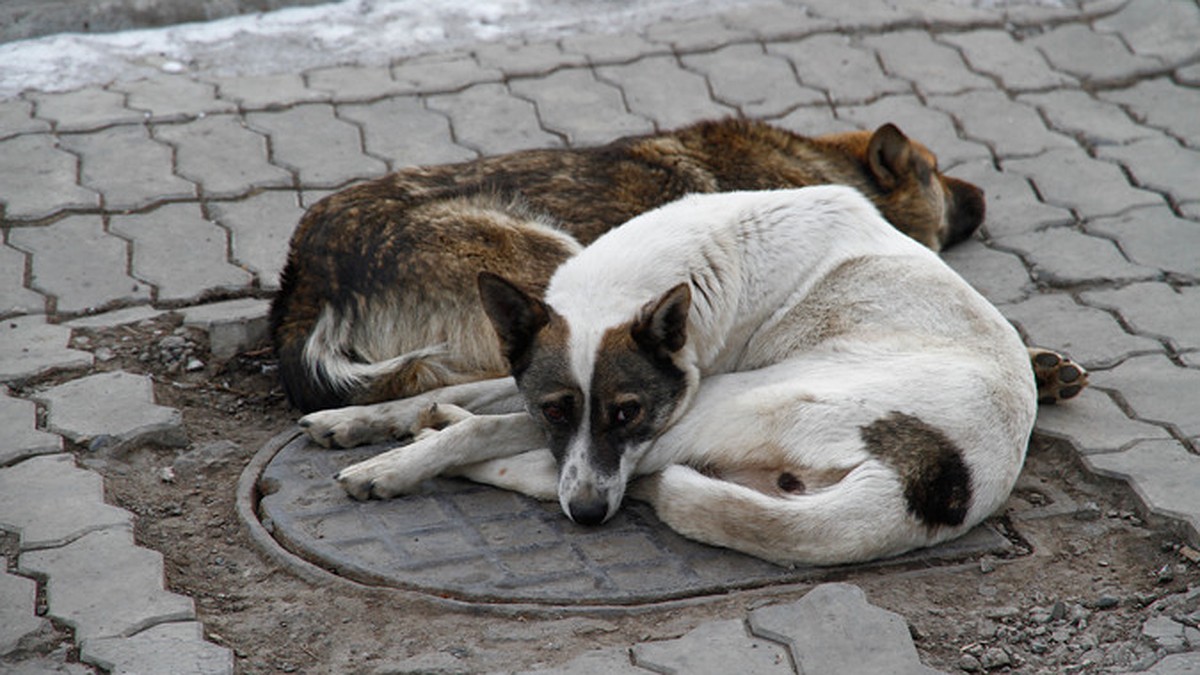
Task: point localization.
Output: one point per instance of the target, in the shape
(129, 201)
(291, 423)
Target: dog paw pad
(1058, 377)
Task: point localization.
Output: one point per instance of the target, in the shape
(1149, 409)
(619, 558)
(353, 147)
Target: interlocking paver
(695, 34)
(110, 410)
(259, 230)
(604, 48)
(128, 167)
(37, 179)
(736, 74)
(50, 502)
(324, 151)
(998, 275)
(1161, 104)
(1091, 336)
(84, 109)
(713, 648)
(610, 661)
(16, 117)
(22, 439)
(516, 59)
(14, 297)
(1189, 75)
(18, 600)
(232, 326)
(1065, 256)
(833, 629)
(1067, 177)
(403, 132)
(84, 593)
(1160, 164)
(1078, 50)
(442, 73)
(1095, 423)
(266, 92)
(1154, 237)
(178, 648)
(1094, 121)
(1163, 473)
(1155, 309)
(1008, 127)
(777, 21)
(814, 121)
(180, 252)
(172, 97)
(1012, 205)
(932, 68)
(577, 105)
(933, 128)
(861, 15)
(355, 83)
(1162, 28)
(659, 89)
(224, 157)
(29, 346)
(840, 66)
(1017, 65)
(490, 120)
(1158, 391)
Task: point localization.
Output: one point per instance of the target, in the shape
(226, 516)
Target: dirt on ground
(1086, 575)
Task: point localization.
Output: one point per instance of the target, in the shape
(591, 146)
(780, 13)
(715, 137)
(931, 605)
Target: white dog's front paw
(365, 481)
(342, 428)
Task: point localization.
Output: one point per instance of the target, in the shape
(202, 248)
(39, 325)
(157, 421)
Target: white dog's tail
(862, 517)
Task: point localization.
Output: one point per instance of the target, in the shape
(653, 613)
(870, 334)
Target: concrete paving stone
(172, 97)
(1160, 164)
(14, 297)
(610, 661)
(22, 439)
(224, 157)
(1165, 633)
(575, 104)
(324, 151)
(737, 75)
(815, 121)
(29, 346)
(128, 167)
(1063, 256)
(233, 326)
(840, 66)
(37, 179)
(488, 119)
(1012, 205)
(932, 128)
(53, 664)
(181, 253)
(355, 83)
(50, 502)
(659, 89)
(402, 132)
(267, 92)
(1155, 309)
(1067, 177)
(999, 276)
(1094, 57)
(111, 410)
(1162, 473)
(1155, 237)
(695, 34)
(1017, 65)
(1090, 336)
(1009, 128)
(1158, 391)
(1177, 664)
(517, 59)
(1190, 210)
(310, 197)
(861, 16)
(1189, 75)
(1163, 28)
(604, 48)
(176, 648)
(1095, 122)
(83, 109)
(442, 73)
(16, 117)
(714, 648)
(260, 228)
(775, 22)
(1162, 104)
(932, 68)
(833, 629)
(18, 602)
(117, 317)
(1094, 423)
(947, 14)
(84, 593)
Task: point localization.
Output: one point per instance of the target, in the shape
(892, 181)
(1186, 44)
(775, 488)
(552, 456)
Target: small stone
(969, 664)
(994, 658)
(105, 354)
(1165, 574)
(166, 474)
(1059, 611)
(987, 565)
(1107, 602)
(194, 364)
(1038, 647)
(1088, 512)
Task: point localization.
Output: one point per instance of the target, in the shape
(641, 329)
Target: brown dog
(378, 300)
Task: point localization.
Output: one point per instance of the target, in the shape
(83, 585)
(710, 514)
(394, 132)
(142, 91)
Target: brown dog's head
(935, 209)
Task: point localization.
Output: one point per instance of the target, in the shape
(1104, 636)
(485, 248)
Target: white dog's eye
(556, 412)
(626, 413)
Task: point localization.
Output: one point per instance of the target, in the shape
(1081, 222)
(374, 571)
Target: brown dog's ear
(661, 328)
(516, 316)
(890, 156)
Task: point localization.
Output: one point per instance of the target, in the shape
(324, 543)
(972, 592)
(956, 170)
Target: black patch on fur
(937, 482)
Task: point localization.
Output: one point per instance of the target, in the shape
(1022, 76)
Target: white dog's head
(601, 393)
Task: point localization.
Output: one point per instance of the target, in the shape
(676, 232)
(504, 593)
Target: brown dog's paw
(1058, 377)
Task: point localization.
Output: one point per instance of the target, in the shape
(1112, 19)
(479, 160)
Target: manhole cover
(471, 542)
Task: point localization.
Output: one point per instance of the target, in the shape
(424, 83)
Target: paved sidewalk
(1079, 121)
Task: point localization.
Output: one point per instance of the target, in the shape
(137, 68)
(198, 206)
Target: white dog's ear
(516, 316)
(661, 327)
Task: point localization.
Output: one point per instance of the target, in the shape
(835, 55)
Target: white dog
(794, 378)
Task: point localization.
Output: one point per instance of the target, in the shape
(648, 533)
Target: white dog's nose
(591, 511)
